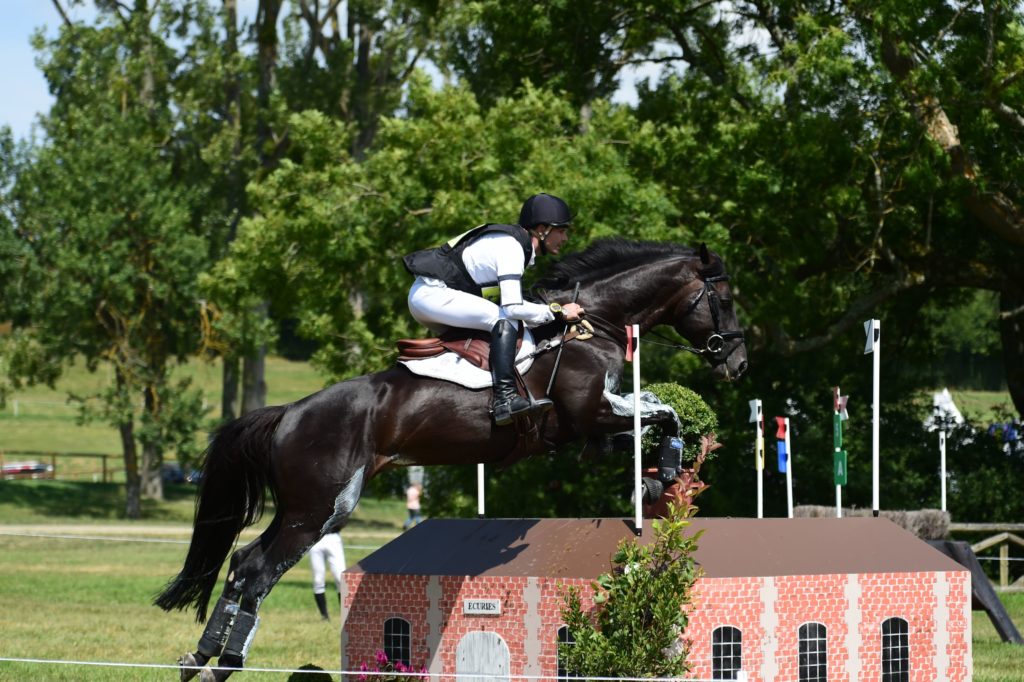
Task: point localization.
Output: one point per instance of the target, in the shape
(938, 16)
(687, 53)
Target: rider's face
(556, 237)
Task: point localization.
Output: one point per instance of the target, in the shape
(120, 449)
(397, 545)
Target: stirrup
(504, 414)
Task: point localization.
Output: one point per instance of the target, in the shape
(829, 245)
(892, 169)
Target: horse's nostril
(741, 368)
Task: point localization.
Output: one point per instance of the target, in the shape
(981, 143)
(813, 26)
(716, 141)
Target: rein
(715, 345)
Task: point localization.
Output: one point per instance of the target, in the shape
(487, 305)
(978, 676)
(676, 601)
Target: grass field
(90, 600)
(39, 418)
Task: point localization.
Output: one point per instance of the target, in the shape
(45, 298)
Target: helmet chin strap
(542, 240)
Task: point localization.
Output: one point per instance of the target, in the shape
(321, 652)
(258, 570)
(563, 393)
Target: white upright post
(637, 486)
(873, 328)
(789, 472)
(480, 490)
(942, 466)
(756, 417)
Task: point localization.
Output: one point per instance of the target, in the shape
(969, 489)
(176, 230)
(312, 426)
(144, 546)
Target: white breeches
(329, 552)
(438, 308)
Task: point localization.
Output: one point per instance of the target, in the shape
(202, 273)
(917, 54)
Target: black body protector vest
(445, 262)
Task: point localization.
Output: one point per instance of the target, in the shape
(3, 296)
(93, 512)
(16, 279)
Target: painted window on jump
(726, 652)
(398, 640)
(895, 650)
(813, 653)
(564, 637)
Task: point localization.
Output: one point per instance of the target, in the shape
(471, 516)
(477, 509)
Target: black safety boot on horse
(507, 403)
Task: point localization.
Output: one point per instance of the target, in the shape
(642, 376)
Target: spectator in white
(412, 505)
(327, 553)
(461, 284)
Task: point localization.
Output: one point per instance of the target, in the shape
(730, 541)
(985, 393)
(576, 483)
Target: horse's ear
(705, 255)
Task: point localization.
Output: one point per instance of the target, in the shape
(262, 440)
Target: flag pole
(789, 471)
(637, 486)
(873, 328)
(942, 466)
(840, 464)
(756, 417)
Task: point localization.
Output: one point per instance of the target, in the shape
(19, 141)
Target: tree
(105, 212)
(640, 607)
(329, 233)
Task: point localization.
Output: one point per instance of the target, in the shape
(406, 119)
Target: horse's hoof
(189, 667)
(207, 675)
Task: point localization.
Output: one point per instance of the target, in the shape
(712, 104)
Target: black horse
(317, 455)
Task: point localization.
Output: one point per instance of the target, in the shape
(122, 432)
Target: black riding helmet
(545, 209)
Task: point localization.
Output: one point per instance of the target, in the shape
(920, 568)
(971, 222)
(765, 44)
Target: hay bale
(927, 524)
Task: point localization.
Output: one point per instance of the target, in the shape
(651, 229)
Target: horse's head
(706, 317)
(626, 282)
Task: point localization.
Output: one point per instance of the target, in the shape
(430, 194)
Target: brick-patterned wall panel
(910, 596)
(734, 602)
(806, 599)
(958, 603)
(552, 602)
(371, 600)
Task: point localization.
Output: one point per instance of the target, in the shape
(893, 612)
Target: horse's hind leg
(254, 572)
(222, 617)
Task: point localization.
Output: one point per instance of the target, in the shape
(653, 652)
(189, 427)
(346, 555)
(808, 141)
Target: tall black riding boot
(321, 603)
(507, 403)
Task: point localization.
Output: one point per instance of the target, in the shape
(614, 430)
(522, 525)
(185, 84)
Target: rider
(474, 281)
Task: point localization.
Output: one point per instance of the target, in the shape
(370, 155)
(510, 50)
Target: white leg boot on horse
(507, 403)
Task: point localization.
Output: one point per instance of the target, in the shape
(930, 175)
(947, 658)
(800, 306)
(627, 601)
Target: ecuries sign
(481, 607)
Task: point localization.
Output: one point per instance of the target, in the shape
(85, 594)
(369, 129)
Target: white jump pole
(942, 466)
(637, 485)
(480, 490)
(755, 416)
(789, 472)
(873, 329)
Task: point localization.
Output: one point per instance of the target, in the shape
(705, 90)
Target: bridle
(714, 349)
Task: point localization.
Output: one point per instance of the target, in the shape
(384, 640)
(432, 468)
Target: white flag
(873, 330)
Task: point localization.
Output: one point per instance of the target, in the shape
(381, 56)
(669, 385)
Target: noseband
(714, 347)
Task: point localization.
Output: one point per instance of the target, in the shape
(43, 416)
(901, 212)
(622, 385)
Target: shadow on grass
(87, 500)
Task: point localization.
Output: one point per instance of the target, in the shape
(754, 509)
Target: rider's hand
(572, 311)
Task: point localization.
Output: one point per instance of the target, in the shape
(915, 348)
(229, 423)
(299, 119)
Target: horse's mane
(612, 255)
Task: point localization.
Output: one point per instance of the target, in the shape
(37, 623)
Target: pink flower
(400, 667)
(382, 658)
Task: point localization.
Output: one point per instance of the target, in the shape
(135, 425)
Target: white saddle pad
(454, 368)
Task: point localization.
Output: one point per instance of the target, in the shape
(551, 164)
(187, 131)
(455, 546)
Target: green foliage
(696, 417)
(327, 241)
(806, 159)
(640, 607)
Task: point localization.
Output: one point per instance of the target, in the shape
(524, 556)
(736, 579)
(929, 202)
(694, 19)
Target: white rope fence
(351, 673)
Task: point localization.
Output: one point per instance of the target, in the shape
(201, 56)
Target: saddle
(473, 345)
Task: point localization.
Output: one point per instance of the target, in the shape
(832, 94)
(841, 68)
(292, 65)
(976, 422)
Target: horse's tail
(232, 492)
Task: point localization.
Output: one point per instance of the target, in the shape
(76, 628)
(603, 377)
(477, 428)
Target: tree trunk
(133, 483)
(229, 394)
(1011, 330)
(254, 385)
(151, 482)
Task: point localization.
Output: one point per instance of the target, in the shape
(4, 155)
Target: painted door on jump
(481, 653)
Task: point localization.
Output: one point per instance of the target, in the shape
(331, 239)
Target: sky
(23, 85)
(24, 89)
